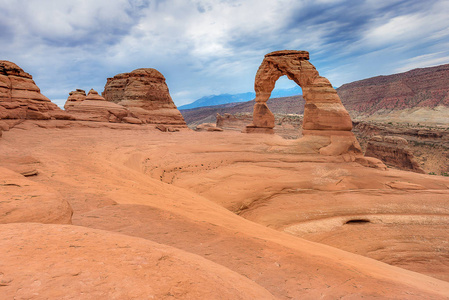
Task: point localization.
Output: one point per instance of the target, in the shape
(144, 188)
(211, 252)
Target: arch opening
(323, 109)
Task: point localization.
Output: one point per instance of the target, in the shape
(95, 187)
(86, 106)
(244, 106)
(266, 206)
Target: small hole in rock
(357, 221)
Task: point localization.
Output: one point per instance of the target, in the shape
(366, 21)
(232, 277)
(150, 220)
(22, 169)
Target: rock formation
(145, 94)
(20, 98)
(75, 97)
(324, 114)
(233, 122)
(394, 152)
(286, 125)
(208, 127)
(429, 145)
(95, 108)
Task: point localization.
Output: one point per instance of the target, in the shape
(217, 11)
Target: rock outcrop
(429, 145)
(393, 151)
(145, 94)
(95, 108)
(20, 98)
(324, 114)
(233, 122)
(75, 97)
(208, 127)
(286, 125)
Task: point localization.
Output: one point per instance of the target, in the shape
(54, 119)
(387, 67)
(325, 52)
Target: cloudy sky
(206, 47)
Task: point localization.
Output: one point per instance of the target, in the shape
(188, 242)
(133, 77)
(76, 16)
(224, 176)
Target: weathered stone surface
(208, 127)
(371, 162)
(23, 200)
(94, 96)
(244, 173)
(75, 97)
(262, 116)
(25, 165)
(429, 144)
(233, 122)
(95, 108)
(20, 98)
(72, 262)
(165, 128)
(145, 94)
(393, 151)
(132, 120)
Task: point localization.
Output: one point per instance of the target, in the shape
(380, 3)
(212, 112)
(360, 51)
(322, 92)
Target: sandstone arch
(324, 114)
(323, 109)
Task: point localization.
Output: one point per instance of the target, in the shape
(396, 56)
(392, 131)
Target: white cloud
(425, 60)
(215, 46)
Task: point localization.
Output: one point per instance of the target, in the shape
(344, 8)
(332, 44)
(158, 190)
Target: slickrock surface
(419, 95)
(22, 200)
(394, 152)
(69, 262)
(193, 190)
(20, 98)
(145, 94)
(95, 108)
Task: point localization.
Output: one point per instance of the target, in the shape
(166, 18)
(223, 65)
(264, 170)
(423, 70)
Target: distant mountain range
(419, 95)
(418, 88)
(235, 98)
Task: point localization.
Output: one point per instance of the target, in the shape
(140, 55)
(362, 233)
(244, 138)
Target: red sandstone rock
(323, 109)
(20, 98)
(25, 165)
(145, 94)
(75, 97)
(95, 108)
(324, 113)
(165, 128)
(71, 262)
(394, 152)
(208, 127)
(233, 122)
(247, 174)
(23, 200)
(262, 116)
(132, 120)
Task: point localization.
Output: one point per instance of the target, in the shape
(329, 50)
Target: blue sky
(206, 47)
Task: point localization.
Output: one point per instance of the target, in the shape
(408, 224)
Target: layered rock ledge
(20, 97)
(145, 94)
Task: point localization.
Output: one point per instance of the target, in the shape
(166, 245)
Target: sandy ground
(295, 224)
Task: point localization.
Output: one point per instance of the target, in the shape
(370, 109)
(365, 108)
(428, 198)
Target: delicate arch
(323, 109)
